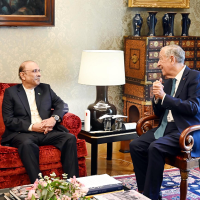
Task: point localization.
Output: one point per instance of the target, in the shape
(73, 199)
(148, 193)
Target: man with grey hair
(176, 101)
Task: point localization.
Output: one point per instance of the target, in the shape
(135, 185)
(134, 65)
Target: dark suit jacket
(185, 106)
(16, 111)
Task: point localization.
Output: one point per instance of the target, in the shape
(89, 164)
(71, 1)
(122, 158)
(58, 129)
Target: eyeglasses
(34, 70)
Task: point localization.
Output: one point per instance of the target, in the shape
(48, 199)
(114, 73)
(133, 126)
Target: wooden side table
(100, 137)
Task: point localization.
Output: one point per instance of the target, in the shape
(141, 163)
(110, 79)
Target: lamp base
(99, 108)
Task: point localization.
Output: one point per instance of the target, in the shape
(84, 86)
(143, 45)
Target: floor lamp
(101, 68)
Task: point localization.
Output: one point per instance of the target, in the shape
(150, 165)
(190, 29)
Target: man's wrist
(30, 127)
(156, 100)
(163, 98)
(56, 117)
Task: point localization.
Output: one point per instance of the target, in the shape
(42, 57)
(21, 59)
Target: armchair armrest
(186, 141)
(143, 126)
(73, 123)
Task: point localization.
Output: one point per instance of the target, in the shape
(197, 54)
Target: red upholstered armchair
(12, 172)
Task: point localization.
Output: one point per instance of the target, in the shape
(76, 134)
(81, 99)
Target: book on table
(121, 195)
(100, 184)
(18, 193)
(9, 196)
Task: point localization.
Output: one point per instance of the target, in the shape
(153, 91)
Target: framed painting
(159, 3)
(27, 12)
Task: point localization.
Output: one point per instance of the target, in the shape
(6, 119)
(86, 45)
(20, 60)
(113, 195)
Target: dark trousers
(28, 148)
(148, 156)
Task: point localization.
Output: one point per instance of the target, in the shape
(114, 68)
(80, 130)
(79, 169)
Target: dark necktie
(161, 129)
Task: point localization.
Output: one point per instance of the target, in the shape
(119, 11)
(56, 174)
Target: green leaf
(33, 197)
(54, 198)
(50, 194)
(44, 194)
(38, 193)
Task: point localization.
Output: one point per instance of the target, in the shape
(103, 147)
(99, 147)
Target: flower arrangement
(54, 188)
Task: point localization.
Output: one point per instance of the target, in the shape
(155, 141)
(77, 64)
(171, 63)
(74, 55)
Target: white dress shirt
(35, 117)
(178, 79)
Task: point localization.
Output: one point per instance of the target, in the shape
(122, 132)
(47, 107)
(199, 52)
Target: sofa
(12, 172)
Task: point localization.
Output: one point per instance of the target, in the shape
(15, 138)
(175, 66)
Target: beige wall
(79, 25)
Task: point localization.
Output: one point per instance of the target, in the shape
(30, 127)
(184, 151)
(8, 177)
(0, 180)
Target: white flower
(53, 174)
(40, 175)
(46, 177)
(44, 184)
(64, 174)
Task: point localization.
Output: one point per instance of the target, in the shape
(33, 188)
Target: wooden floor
(120, 164)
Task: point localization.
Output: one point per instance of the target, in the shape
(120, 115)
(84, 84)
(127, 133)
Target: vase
(137, 24)
(171, 23)
(151, 22)
(101, 107)
(165, 23)
(185, 24)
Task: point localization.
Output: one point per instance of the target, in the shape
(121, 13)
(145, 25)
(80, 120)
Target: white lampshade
(102, 68)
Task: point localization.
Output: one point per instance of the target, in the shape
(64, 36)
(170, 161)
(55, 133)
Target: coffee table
(100, 137)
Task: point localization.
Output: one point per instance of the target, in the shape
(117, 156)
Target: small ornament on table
(118, 121)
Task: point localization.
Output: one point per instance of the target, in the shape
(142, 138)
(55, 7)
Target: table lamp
(101, 68)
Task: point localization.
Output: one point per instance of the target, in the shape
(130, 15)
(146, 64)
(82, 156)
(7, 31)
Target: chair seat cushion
(18, 176)
(48, 154)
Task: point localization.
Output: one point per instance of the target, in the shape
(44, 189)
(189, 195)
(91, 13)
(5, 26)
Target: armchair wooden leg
(184, 184)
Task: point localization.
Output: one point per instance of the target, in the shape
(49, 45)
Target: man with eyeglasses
(30, 122)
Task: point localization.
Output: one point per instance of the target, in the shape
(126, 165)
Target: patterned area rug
(170, 185)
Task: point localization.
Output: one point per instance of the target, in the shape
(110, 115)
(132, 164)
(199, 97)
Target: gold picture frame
(159, 3)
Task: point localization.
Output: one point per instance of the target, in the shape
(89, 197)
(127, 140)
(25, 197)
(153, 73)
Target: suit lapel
(183, 81)
(38, 96)
(22, 95)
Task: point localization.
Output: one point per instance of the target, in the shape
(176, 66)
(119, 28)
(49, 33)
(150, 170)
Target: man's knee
(153, 147)
(27, 147)
(70, 138)
(133, 145)
(26, 143)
